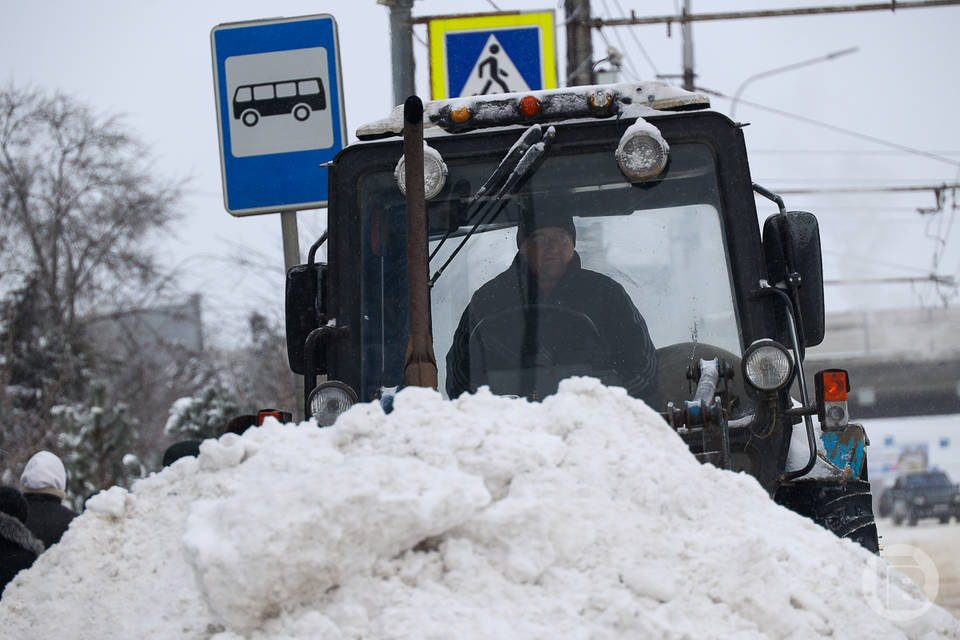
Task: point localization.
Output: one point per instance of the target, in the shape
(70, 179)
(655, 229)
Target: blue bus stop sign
(280, 111)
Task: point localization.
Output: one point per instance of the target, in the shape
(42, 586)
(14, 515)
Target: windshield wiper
(517, 166)
(507, 164)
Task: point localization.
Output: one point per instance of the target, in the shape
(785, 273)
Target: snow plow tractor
(514, 240)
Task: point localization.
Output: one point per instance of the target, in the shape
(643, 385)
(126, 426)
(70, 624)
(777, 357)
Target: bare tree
(79, 204)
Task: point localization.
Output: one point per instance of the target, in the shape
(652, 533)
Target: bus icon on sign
(299, 97)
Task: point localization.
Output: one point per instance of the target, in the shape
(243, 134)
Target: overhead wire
(850, 152)
(635, 75)
(636, 40)
(874, 261)
(832, 127)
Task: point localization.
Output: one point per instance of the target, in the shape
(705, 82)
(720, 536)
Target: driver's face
(548, 250)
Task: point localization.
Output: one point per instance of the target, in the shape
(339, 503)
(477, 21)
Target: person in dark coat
(18, 547)
(546, 274)
(44, 483)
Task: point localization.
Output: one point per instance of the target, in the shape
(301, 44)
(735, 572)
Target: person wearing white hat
(44, 484)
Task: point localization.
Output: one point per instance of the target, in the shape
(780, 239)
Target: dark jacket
(625, 343)
(18, 548)
(48, 518)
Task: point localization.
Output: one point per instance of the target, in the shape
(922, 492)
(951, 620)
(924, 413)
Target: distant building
(902, 362)
(159, 335)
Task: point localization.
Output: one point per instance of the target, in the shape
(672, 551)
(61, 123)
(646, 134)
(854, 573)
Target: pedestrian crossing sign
(491, 53)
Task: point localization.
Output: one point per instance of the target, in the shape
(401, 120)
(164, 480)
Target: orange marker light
(529, 106)
(460, 114)
(281, 416)
(835, 386)
(832, 386)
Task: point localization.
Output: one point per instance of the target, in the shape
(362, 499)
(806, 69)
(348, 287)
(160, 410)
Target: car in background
(922, 494)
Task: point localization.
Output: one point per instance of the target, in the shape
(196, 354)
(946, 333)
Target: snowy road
(940, 542)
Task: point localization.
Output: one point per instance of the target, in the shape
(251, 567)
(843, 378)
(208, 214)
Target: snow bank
(486, 517)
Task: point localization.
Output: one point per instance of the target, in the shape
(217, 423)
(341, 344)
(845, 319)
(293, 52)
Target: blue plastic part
(846, 449)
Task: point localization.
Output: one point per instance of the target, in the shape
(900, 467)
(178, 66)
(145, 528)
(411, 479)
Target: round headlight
(329, 400)
(642, 152)
(434, 173)
(767, 365)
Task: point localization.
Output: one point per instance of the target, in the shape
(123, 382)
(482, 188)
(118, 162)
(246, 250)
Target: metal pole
(686, 30)
(291, 258)
(401, 48)
(579, 43)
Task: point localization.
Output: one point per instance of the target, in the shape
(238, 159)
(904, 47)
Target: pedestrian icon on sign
(494, 72)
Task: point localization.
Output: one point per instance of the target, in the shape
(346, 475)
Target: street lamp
(763, 74)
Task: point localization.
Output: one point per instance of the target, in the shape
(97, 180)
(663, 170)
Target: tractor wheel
(912, 517)
(843, 509)
(900, 511)
(944, 519)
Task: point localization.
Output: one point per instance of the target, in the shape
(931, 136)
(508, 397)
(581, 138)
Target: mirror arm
(316, 245)
(770, 195)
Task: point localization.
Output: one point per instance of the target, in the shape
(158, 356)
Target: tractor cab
(664, 219)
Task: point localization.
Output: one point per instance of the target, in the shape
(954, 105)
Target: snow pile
(487, 517)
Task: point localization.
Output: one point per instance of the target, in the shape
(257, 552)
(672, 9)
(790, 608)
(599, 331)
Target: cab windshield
(654, 249)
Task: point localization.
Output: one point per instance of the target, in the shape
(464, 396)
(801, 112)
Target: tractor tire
(846, 510)
(900, 512)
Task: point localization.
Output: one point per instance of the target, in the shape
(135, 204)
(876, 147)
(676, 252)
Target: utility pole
(686, 31)
(579, 42)
(401, 48)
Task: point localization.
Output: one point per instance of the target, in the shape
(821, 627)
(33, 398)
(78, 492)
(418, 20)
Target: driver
(547, 271)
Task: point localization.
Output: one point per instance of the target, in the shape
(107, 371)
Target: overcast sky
(151, 61)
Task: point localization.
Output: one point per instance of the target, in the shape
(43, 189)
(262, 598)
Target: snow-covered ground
(895, 442)
(584, 516)
(940, 543)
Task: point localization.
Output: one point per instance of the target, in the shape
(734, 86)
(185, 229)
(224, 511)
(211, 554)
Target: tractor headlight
(329, 399)
(767, 365)
(434, 173)
(642, 152)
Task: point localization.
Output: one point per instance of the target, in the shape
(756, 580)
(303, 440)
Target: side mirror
(791, 245)
(305, 310)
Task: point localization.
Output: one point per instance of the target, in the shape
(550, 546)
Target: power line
(937, 188)
(874, 261)
(849, 132)
(947, 281)
(850, 152)
(640, 46)
(631, 72)
(772, 13)
(623, 47)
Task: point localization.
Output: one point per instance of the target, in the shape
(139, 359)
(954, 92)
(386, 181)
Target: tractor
(425, 208)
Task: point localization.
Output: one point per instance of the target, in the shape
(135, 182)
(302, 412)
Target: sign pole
(291, 258)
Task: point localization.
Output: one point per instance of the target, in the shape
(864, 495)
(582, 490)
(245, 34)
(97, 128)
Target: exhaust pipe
(420, 364)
